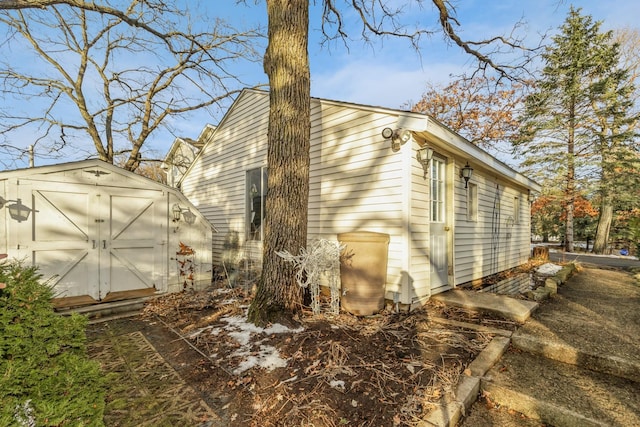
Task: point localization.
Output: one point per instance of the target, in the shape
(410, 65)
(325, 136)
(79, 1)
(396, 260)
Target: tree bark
(604, 226)
(286, 63)
(570, 193)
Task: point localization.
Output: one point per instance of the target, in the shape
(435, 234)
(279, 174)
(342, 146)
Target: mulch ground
(389, 369)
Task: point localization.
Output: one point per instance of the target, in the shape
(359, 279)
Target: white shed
(99, 233)
(444, 231)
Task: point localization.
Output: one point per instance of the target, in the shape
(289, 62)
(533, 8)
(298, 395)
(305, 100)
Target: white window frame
(438, 191)
(255, 192)
(472, 202)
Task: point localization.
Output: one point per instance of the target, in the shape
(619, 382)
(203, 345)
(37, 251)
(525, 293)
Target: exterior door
(130, 251)
(438, 230)
(57, 237)
(91, 241)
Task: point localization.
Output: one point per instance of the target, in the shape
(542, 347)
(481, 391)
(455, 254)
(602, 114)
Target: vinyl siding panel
(419, 234)
(216, 181)
(494, 242)
(356, 180)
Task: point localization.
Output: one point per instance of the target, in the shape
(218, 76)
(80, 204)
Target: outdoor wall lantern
(188, 216)
(424, 155)
(176, 210)
(465, 173)
(17, 210)
(398, 137)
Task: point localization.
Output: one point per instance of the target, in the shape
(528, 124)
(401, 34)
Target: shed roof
(98, 167)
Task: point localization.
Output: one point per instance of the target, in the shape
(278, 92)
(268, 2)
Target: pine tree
(614, 129)
(557, 125)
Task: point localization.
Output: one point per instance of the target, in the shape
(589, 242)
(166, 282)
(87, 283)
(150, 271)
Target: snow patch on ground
(252, 352)
(267, 357)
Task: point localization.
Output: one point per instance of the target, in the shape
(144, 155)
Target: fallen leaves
(387, 369)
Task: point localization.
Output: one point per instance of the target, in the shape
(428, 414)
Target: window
(437, 190)
(516, 210)
(256, 194)
(472, 202)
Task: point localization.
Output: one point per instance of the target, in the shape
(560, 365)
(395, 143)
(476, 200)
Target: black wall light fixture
(466, 173)
(18, 211)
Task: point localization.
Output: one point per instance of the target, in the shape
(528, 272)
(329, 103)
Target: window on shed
(472, 202)
(437, 190)
(256, 195)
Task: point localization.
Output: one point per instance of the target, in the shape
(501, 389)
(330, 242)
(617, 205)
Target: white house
(443, 231)
(181, 155)
(99, 233)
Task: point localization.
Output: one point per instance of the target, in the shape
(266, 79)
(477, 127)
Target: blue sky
(390, 73)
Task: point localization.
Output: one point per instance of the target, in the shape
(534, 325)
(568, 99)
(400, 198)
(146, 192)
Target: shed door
(130, 243)
(438, 231)
(101, 242)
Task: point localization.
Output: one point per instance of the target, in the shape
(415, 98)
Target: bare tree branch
(379, 18)
(123, 81)
(88, 6)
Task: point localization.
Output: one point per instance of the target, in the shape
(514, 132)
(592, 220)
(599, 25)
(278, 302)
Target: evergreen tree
(614, 130)
(557, 126)
(46, 377)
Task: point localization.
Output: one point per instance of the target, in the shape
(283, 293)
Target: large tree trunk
(604, 226)
(286, 63)
(568, 229)
(606, 204)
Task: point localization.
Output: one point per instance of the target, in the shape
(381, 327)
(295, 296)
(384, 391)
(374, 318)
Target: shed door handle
(104, 244)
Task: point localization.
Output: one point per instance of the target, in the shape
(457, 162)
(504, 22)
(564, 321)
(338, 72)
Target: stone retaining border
(550, 287)
(449, 414)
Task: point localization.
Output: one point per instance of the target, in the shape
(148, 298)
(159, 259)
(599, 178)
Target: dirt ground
(595, 311)
(383, 370)
(387, 369)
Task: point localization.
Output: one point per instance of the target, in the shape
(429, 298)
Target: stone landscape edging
(449, 414)
(552, 283)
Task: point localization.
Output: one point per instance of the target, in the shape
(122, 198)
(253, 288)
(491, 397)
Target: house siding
(493, 243)
(419, 234)
(215, 183)
(357, 183)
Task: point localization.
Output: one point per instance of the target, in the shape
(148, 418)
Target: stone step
(108, 310)
(502, 305)
(561, 394)
(573, 355)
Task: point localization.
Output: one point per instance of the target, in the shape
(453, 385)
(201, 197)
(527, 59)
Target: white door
(131, 252)
(100, 242)
(438, 230)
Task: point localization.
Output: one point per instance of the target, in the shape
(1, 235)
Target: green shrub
(46, 378)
